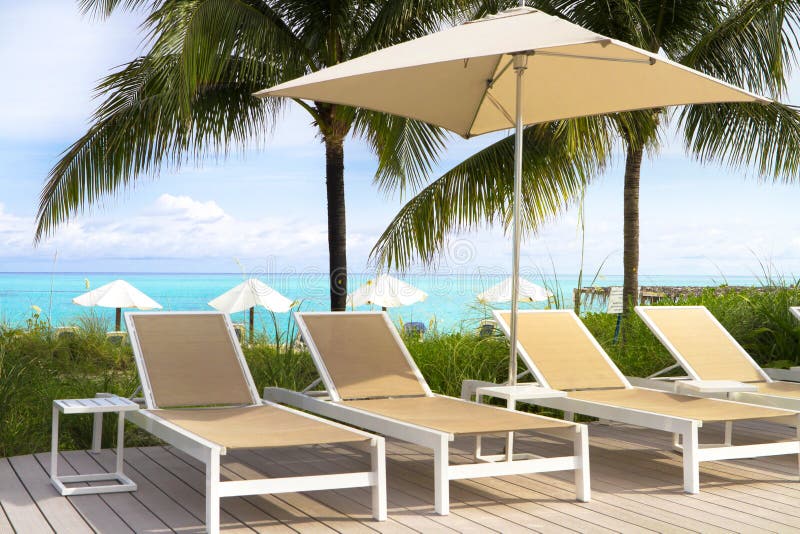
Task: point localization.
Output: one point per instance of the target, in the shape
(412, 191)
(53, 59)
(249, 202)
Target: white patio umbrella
(469, 79)
(503, 292)
(249, 294)
(117, 294)
(387, 292)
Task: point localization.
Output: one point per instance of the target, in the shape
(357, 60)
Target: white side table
(512, 394)
(98, 405)
(690, 387)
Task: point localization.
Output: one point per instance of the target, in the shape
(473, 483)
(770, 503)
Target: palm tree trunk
(337, 227)
(630, 260)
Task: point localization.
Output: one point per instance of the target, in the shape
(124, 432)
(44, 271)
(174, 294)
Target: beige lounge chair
(716, 364)
(372, 382)
(201, 399)
(563, 355)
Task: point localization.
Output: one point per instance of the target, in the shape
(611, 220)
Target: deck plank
(99, 516)
(160, 503)
(5, 524)
(273, 505)
(636, 483)
(540, 507)
(180, 492)
(405, 506)
(237, 507)
(19, 507)
(61, 515)
(130, 509)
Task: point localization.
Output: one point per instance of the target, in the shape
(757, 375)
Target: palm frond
(753, 46)
(407, 149)
(559, 160)
(139, 129)
(620, 19)
(746, 136)
(395, 21)
(105, 8)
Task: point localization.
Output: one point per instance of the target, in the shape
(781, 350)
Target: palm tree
(190, 95)
(750, 43)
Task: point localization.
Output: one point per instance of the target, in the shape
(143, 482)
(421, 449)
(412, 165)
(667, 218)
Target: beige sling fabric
(362, 355)
(562, 351)
(455, 416)
(190, 360)
(256, 426)
(706, 410)
(703, 344)
(780, 389)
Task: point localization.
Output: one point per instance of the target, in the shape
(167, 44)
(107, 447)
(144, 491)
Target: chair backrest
(360, 355)
(189, 359)
(702, 346)
(560, 352)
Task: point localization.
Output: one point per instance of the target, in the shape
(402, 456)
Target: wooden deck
(636, 484)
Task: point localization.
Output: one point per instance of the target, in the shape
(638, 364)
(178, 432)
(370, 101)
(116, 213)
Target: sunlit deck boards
(636, 487)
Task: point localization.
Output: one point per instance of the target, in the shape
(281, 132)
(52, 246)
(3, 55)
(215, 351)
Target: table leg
(54, 446)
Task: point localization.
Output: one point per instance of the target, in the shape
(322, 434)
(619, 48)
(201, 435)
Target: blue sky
(266, 210)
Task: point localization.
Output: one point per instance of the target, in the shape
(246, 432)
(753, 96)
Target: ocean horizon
(451, 304)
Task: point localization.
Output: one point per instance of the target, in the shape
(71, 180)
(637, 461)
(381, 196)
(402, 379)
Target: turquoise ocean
(451, 303)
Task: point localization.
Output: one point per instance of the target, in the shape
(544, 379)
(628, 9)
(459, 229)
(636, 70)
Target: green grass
(35, 368)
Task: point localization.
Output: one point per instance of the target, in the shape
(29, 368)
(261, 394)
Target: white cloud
(179, 227)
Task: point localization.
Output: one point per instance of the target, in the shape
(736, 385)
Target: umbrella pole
(118, 321)
(520, 64)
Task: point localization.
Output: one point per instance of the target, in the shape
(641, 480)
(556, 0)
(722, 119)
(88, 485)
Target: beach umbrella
(117, 294)
(470, 79)
(528, 292)
(249, 294)
(387, 292)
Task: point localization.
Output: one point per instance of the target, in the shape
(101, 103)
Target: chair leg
(728, 433)
(378, 456)
(583, 491)
(441, 460)
(212, 493)
(691, 465)
(797, 425)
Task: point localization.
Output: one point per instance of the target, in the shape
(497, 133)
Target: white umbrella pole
(520, 64)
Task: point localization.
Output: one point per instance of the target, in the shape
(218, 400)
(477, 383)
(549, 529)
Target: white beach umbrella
(249, 294)
(528, 292)
(117, 294)
(469, 79)
(387, 292)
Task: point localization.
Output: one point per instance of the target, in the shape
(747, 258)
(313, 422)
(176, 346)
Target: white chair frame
(485, 466)
(210, 453)
(685, 431)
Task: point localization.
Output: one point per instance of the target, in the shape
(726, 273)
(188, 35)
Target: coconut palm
(750, 43)
(190, 96)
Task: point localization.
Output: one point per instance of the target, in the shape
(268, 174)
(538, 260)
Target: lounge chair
(372, 382)
(201, 399)
(716, 364)
(563, 355)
